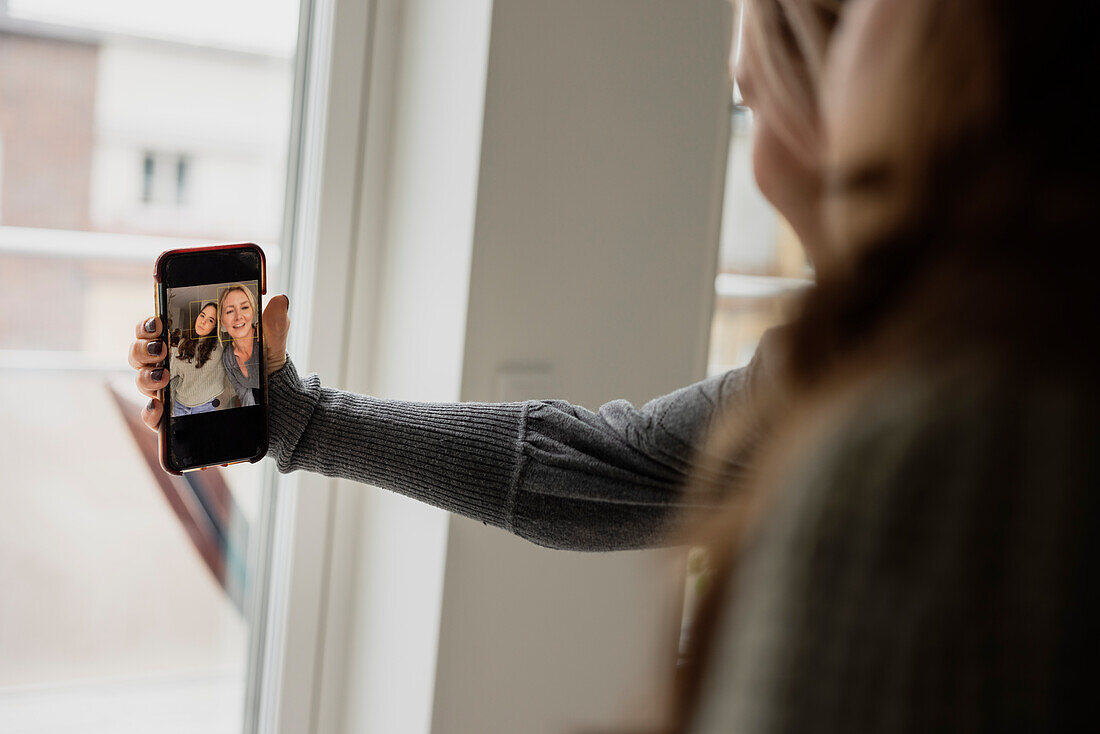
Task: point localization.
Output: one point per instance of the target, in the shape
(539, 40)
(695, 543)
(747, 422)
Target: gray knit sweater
(928, 564)
(554, 473)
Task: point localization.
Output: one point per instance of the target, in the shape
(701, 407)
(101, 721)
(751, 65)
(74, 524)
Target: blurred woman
(920, 557)
(198, 376)
(238, 315)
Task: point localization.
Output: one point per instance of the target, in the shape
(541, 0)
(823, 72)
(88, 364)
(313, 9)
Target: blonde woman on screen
(239, 317)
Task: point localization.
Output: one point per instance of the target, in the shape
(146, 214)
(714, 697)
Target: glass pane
(124, 131)
(761, 262)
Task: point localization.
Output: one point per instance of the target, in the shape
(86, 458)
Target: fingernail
(151, 325)
(157, 374)
(152, 404)
(154, 347)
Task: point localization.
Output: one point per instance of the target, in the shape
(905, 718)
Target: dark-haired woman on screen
(198, 375)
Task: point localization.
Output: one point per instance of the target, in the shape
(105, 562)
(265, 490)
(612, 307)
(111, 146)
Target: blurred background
(127, 128)
(124, 130)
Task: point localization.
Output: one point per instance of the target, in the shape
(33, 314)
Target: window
(761, 263)
(148, 176)
(128, 595)
(181, 179)
(164, 178)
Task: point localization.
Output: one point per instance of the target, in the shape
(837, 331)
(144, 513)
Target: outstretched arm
(554, 473)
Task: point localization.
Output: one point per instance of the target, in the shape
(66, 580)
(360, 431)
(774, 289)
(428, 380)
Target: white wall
(603, 151)
(551, 206)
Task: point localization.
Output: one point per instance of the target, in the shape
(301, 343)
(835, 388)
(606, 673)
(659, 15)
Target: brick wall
(47, 105)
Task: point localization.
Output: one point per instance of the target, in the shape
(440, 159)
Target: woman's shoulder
(918, 446)
(917, 493)
(969, 399)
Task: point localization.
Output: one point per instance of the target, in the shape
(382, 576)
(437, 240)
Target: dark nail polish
(157, 374)
(151, 325)
(154, 347)
(152, 404)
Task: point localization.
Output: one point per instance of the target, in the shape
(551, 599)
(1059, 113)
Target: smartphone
(209, 300)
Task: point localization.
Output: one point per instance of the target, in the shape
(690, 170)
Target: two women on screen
(208, 363)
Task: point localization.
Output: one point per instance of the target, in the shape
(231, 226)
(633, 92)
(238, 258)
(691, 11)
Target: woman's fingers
(147, 349)
(151, 413)
(150, 380)
(145, 352)
(148, 329)
(276, 328)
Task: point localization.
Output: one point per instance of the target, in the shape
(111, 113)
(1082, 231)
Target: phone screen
(214, 404)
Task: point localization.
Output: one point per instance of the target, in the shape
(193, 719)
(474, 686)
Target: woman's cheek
(785, 180)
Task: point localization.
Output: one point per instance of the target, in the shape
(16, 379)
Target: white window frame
(329, 262)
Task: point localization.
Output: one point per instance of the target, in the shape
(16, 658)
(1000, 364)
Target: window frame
(288, 655)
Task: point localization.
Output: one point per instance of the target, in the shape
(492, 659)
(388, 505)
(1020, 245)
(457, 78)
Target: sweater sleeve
(554, 473)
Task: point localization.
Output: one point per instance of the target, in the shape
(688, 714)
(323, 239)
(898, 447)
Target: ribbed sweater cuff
(461, 457)
(291, 402)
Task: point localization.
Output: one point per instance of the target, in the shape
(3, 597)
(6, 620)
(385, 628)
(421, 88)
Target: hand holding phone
(152, 376)
(212, 374)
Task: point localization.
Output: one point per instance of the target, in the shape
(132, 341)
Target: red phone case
(158, 278)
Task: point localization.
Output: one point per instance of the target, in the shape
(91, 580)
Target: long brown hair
(199, 349)
(989, 201)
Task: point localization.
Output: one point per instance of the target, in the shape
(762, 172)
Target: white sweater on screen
(193, 386)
